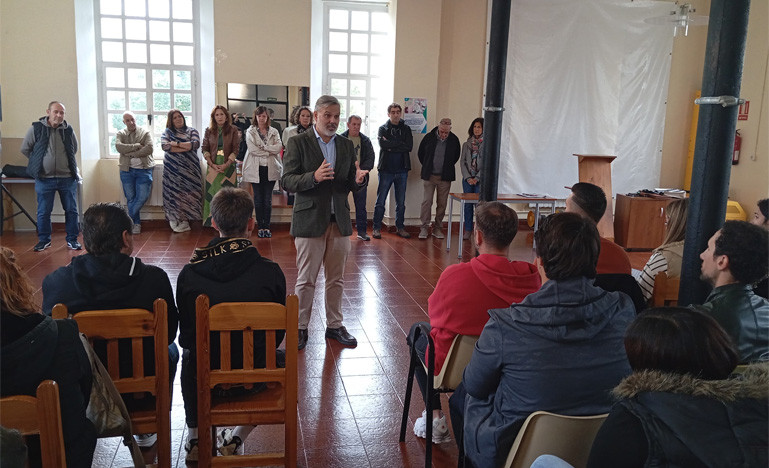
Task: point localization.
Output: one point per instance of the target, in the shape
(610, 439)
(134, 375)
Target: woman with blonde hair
(35, 348)
(667, 257)
(262, 166)
(220, 150)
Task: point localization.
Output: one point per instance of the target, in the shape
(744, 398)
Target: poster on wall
(415, 114)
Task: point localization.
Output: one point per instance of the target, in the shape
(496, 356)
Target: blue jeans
(46, 190)
(137, 184)
(359, 198)
(386, 180)
(469, 207)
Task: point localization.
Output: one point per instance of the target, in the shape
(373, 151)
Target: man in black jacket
(395, 144)
(228, 269)
(364, 153)
(438, 153)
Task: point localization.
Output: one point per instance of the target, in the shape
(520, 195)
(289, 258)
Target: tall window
(358, 59)
(145, 59)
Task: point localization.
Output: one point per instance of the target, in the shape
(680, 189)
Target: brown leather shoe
(340, 334)
(302, 339)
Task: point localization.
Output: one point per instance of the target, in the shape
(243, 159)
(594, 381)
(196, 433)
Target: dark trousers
(263, 199)
(359, 198)
(419, 373)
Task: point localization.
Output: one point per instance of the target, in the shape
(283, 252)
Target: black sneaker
(364, 237)
(74, 245)
(42, 245)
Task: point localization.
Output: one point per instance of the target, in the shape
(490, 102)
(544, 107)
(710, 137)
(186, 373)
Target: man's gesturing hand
(360, 174)
(324, 172)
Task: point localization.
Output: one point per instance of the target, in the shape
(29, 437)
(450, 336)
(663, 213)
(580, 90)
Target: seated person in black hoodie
(37, 348)
(228, 269)
(107, 277)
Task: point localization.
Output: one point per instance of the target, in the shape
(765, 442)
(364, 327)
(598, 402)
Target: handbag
(106, 408)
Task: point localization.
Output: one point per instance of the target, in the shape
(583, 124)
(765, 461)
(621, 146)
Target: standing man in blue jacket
(395, 143)
(51, 144)
(364, 153)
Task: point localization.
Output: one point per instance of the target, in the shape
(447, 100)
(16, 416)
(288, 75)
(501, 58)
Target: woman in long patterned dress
(262, 166)
(220, 150)
(182, 177)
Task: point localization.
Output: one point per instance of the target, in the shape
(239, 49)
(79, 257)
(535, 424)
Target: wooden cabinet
(639, 222)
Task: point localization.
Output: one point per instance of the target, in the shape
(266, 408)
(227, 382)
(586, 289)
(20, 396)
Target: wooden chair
(447, 380)
(148, 415)
(277, 404)
(665, 290)
(567, 437)
(38, 415)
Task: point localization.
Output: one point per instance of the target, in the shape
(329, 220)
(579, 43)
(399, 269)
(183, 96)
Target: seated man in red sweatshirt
(466, 291)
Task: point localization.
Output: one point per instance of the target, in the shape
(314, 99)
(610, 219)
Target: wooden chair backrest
(567, 437)
(38, 415)
(665, 290)
(248, 317)
(457, 358)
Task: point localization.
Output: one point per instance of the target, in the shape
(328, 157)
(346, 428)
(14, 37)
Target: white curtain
(586, 77)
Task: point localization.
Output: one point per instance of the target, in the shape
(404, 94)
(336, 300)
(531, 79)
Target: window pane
(337, 19)
(273, 93)
(159, 31)
(337, 41)
(359, 21)
(111, 28)
(379, 67)
(182, 32)
(337, 63)
(135, 8)
(115, 100)
(358, 107)
(112, 51)
(110, 7)
(112, 149)
(241, 91)
(137, 78)
(380, 21)
(160, 53)
(115, 122)
(358, 88)
(114, 78)
(136, 29)
(161, 102)
(141, 120)
(358, 65)
(338, 87)
(159, 126)
(182, 80)
(158, 9)
(183, 102)
(342, 115)
(359, 43)
(138, 100)
(379, 44)
(182, 9)
(183, 55)
(161, 79)
(136, 52)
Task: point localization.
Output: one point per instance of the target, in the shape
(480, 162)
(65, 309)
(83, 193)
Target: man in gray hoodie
(51, 144)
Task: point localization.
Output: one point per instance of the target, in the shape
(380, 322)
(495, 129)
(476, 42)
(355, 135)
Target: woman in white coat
(262, 166)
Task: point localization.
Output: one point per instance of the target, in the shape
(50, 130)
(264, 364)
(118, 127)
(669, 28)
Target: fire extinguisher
(737, 145)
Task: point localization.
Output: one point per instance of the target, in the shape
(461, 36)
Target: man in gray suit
(321, 168)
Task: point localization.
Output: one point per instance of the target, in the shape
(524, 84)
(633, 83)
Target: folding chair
(38, 415)
(447, 380)
(665, 290)
(277, 404)
(148, 415)
(543, 433)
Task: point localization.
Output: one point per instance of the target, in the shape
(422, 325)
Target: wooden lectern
(596, 169)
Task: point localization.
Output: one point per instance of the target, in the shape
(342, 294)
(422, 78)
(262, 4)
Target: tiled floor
(350, 400)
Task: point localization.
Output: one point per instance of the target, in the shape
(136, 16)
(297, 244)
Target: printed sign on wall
(415, 114)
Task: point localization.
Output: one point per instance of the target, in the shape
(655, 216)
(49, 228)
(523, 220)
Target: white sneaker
(228, 443)
(438, 233)
(146, 440)
(423, 233)
(183, 226)
(191, 447)
(440, 429)
(137, 229)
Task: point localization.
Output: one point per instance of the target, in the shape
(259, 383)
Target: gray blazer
(312, 206)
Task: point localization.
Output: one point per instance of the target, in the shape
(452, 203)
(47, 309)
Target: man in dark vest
(51, 144)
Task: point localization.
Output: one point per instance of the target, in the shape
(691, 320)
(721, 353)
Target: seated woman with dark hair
(559, 350)
(36, 348)
(679, 408)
